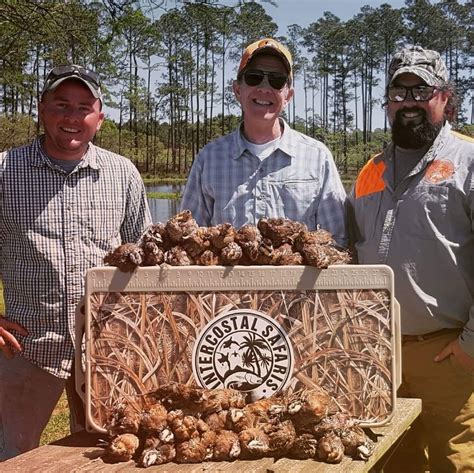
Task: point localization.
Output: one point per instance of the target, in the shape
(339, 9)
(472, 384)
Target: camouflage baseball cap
(424, 63)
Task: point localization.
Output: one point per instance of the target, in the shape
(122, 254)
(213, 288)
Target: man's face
(416, 124)
(71, 116)
(262, 104)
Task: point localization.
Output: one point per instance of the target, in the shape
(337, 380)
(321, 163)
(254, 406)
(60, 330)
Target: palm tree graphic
(256, 354)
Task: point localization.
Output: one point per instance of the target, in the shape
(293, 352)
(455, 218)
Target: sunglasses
(420, 93)
(70, 71)
(277, 80)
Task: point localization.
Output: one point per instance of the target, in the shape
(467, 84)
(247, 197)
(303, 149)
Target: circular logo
(244, 350)
(439, 171)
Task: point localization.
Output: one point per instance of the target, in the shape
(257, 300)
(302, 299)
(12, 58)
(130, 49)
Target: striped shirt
(299, 181)
(53, 227)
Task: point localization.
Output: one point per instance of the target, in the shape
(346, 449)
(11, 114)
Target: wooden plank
(79, 452)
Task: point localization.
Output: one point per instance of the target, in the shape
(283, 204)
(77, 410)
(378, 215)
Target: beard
(414, 136)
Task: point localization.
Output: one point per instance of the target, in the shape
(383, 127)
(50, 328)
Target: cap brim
(268, 50)
(96, 93)
(422, 73)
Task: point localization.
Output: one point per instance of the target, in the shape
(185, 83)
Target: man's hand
(8, 342)
(453, 348)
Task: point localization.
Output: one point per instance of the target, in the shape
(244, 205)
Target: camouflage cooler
(259, 329)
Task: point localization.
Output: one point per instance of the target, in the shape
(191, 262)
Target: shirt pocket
(104, 221)
(425, 211)
(297, 198)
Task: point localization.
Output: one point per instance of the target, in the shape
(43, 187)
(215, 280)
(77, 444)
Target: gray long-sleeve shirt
(424, 230)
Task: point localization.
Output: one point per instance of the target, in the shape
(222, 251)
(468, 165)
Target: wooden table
(79, 452)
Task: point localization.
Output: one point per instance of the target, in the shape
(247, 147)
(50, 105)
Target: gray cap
(62, 73)
(424, 63)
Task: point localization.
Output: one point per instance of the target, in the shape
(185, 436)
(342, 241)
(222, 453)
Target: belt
(426, 336)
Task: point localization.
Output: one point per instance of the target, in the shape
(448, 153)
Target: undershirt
(404, 160)
(263, 150)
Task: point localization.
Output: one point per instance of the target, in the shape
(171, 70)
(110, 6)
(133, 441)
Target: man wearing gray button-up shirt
(266, 169)
(64, 203)
(413, 209)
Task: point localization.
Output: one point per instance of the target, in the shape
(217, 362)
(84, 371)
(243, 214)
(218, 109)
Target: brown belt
(426, 336)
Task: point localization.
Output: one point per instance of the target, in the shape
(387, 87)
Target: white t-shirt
(264, 150)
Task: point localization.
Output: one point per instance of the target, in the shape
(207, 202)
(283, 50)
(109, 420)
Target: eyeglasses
(69, 71)
(277, 80)
(420, 93)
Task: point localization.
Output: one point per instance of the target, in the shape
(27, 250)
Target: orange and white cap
(267, 46)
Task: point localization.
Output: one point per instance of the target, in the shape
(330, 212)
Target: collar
(39, 158)
(286, 143)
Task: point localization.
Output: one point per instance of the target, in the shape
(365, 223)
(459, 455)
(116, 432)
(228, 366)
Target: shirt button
(72, 269)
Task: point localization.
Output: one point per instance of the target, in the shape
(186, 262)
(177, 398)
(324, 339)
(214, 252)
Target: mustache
(398, 114)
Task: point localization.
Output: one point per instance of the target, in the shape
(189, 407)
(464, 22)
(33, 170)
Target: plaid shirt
(299, 181)
(53, 227)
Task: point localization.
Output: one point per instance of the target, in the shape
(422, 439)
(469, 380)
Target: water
(162, 209)
(166, 188)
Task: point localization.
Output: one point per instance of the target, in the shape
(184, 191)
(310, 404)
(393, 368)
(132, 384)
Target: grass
(58, 425)
(154, 180)
(164, 195)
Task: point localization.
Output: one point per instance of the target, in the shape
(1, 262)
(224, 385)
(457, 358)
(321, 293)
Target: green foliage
(467, 130)
(16, 131)
(169, 179)
(164, 195)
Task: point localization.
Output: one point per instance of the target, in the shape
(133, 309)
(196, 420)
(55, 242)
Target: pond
(162, 209)
(171, 188)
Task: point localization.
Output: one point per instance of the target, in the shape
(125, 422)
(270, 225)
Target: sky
(303, 13)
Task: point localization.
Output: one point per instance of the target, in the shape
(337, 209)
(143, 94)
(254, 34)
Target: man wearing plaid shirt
(266, 169)
(64, 203)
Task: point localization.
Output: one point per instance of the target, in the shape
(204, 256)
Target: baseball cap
(267, 46)
(59, 74)
(424, 63)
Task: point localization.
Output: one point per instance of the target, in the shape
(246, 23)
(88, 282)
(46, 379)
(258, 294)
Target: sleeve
(2, 230)
(137, 214)
(466, 339)
(351, 225)
(194, 196)
(331, 212)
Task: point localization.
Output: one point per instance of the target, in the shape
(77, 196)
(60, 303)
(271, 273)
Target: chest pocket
(296, 199)
(423, 212)
(104, 220)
